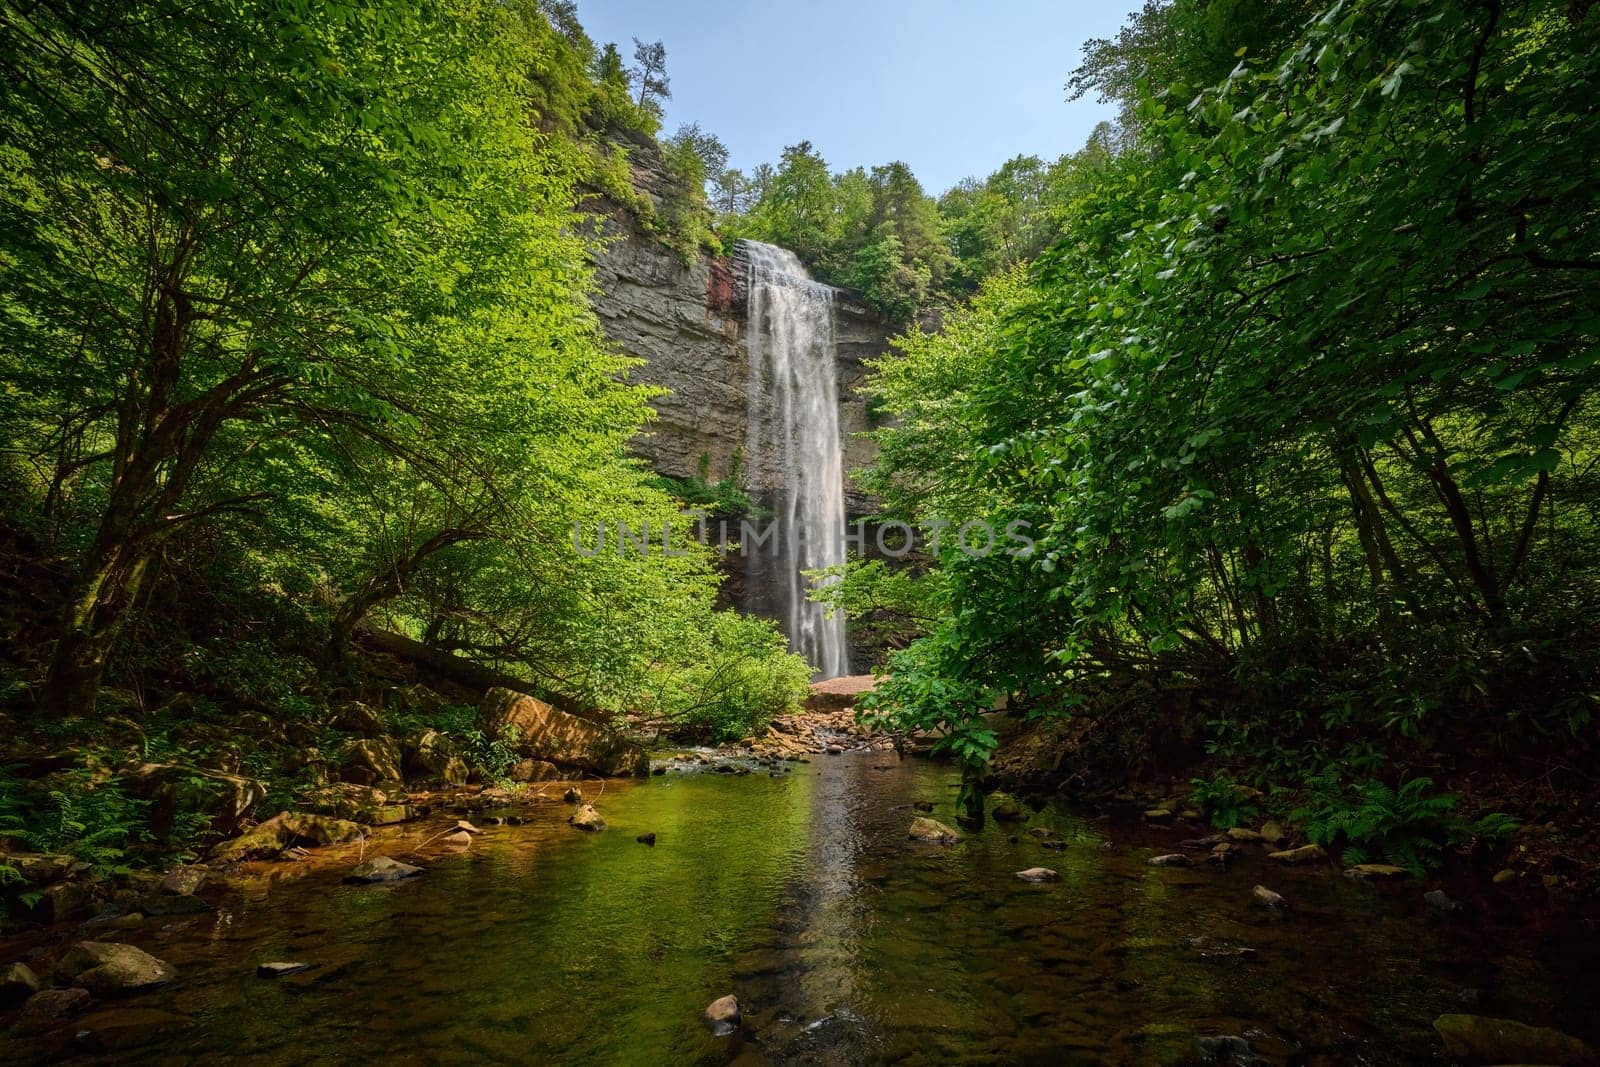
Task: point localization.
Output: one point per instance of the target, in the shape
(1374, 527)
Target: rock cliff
(686, 321)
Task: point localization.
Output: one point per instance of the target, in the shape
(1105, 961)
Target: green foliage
(89, 820)
(1299, 401)
(724, 497)
(494, 758)
(736, 675)
(887, 606)
(1410, 827)
(1227, 802)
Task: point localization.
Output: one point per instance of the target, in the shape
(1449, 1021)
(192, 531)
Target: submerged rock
(1303, 854)
(1038, 874)
(1230, 1049)
(722, 1015)
(457, 839)
(1267, 897)
(646, 839)
(50, 1004)
(1007, 810)
(586, 818)
(1490, 1040)
(547, 733)
(382, 869)
(1439, 901)
(933, 831)
(108, 967)
(184, 881)
(922, 805)
(119, 1030)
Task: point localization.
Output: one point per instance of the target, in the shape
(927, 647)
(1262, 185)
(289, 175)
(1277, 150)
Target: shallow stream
(843, 941)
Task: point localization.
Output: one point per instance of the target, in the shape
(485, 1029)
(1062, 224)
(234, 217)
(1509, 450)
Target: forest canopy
(1299, 400)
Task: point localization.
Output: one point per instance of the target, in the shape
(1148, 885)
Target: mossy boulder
(543, 732)
(367, 760)
(107, 967)
(284, 830)
(1488, 1040)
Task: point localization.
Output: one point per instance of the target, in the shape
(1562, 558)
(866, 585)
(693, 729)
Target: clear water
(845, 943)
(793, 411)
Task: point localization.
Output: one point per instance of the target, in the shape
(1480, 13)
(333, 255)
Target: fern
(1410, 827)
(1227, 802)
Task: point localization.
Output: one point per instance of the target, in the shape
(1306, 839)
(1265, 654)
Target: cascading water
(794, 423)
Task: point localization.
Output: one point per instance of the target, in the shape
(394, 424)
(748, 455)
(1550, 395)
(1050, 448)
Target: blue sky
(952, 87)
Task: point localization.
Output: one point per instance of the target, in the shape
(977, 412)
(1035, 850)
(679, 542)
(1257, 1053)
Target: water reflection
(844, 942)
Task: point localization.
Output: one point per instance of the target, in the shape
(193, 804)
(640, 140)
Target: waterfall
(794, 426)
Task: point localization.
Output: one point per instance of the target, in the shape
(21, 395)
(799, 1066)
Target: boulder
(68, 900)
(1375, 872)
(1303, 854)
(573, 795)
(17, 984)
(1267, 897)
(284, 830)
(536, 770)
(546, 733)
(1240, 833)
(40, 868)
(1477, 1037)
(432, 757)
(1171, 859)
(933, 831)
(106, 967)
(183, 881)
(174, 789)
(457, 839)
(280, 968)
(1272, 831)
(366, 760)
(586, 818)
(1007, 810)
(1038, 874)
(722, 1015)
(381, 869)
(1158, 815)
(365, 804)
(360, 719)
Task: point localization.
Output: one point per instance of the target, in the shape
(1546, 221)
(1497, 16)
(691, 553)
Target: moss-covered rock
(1488, 1040)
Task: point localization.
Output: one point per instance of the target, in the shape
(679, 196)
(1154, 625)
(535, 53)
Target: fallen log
(465, 672)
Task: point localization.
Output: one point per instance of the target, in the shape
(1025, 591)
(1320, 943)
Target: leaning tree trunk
(93, 616)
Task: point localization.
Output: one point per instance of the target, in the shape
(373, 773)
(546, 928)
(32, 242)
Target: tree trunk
(89, 628)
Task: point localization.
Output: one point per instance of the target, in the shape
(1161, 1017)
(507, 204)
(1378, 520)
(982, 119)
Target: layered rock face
(687, 322)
